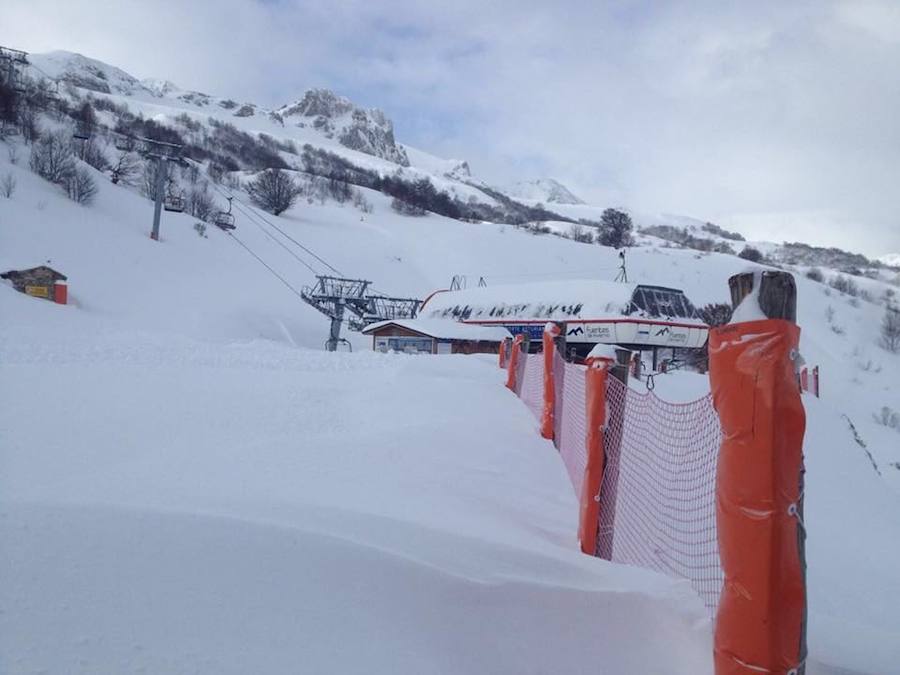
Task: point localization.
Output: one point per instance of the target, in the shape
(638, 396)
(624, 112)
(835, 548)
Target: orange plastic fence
(761, 619)
(513, 362)
(595, 410)
(551, 332)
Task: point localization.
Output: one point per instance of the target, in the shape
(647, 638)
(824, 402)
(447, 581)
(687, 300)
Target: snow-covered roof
(567, 299)
(444, 329)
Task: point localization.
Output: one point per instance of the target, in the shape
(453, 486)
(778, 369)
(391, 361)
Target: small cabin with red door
(39, 282)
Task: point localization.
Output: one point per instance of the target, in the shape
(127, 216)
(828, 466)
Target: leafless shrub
(888, 417)
(8, 185)
(890, 329)
(273, 190)
(406, 209)
(80, 186)
(52, 157)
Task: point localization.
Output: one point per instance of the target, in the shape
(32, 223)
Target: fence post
(761, 618)
(595, 420)
(513, 362)
(504, 350)
(816, 381)
(552, 333)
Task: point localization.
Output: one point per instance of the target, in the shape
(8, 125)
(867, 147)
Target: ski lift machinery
(336, 296)
(333, 296)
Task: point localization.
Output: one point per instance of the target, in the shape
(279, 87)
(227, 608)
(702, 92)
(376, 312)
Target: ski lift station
(435, 336)
(634, 316)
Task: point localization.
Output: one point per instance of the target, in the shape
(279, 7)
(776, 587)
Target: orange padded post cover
(760, 625)
(514, 362)
(551, 332)
(595, 421)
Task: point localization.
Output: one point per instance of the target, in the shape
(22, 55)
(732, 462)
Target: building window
(405, 345)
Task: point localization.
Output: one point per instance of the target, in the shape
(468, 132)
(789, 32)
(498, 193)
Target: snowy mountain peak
(366, 130)
(891, 259)
(545, 190)
(84, 72)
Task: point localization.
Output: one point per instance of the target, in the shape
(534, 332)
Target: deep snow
(188, 483)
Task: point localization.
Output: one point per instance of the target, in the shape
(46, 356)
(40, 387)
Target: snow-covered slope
(187, 417)
(189, 483)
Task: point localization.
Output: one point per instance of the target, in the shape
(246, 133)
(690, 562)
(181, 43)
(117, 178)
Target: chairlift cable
(264, 264)
(282, 244)
(255, 217)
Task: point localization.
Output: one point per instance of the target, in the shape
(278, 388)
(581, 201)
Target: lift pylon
(333, 297)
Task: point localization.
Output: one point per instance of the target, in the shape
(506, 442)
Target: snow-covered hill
(189, 482)
(891, 259)
(545, 190)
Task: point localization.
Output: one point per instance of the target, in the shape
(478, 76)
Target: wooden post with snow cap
(553, 333)
(505, 346)
(761, 618)
(513, 362)
(598, 362)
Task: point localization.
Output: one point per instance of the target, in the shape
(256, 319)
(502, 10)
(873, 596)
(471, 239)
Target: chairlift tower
(333, 296)
(11, 63)
(386, 308)
(163, 153)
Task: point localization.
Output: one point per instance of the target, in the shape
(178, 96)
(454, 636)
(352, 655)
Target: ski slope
(189, 483)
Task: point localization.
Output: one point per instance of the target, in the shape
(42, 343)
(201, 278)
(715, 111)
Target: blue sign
(534, 331)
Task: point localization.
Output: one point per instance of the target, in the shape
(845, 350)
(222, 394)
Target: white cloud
(739, 112)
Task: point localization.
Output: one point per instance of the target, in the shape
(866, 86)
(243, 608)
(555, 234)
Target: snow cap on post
(513, 363)
(601, 354)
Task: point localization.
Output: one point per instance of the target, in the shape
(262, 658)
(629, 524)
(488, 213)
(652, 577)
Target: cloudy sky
(779, 118)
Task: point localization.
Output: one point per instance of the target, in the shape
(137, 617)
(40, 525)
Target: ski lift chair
(124, 143)
(174, 203)
(343, 342)
(82, 132)
(224, 220)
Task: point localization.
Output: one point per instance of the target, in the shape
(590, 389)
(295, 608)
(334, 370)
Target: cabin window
(662, 303)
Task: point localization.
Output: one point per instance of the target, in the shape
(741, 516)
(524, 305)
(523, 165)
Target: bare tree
(200, 203)
(90, 151)
(126, 169)
(890, 329)
(52, 157)
(28, 123)
(273, 190)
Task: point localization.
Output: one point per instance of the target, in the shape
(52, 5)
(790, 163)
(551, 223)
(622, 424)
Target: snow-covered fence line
(711, 490)
(657, 497)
